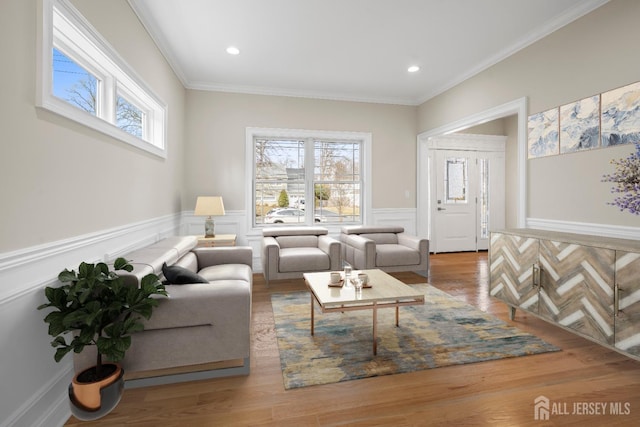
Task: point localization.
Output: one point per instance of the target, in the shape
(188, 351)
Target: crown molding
(292, 93)
(560, 21)
(141, 11)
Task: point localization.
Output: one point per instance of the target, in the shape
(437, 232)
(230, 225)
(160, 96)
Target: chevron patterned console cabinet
(589, 285)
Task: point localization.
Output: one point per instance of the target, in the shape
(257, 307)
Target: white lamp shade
(209, 205)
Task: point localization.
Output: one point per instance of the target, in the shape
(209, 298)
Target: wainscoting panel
(401, 217)
(39, 397)
(233, 222)
(25, 269)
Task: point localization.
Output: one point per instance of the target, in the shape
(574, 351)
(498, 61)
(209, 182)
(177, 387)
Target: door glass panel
(455, 180)
(483, 164)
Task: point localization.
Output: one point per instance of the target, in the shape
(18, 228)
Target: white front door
(455, 215)
(467, 198)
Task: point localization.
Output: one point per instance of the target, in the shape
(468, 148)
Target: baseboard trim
(605, 230)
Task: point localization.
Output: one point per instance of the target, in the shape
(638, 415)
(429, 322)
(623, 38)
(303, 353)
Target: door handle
(616, 300)
(535, 273)
(442, 209)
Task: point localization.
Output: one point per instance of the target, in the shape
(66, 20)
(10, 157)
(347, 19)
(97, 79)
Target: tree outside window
(73, 83)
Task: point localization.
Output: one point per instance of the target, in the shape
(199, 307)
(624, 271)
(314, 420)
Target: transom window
(83, 79)
(73, 83)
(129, 117)
(312, 178)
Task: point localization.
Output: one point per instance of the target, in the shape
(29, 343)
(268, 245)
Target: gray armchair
(386, 248)
(288, 252)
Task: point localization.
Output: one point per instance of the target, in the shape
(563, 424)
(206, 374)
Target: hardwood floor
(582, 376)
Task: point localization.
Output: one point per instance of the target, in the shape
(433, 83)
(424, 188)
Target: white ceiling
(355, 50)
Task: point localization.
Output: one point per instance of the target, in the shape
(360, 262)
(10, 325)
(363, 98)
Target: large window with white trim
(305, 177)
(82, 78)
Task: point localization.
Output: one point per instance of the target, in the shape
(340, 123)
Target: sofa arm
(208, 257)
(413, 242)
(270, 257)
(360, 243)
(331, 247)
(359, 251)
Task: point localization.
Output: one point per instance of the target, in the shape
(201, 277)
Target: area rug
(444, 331)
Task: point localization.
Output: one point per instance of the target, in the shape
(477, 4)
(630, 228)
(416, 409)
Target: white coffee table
(385, 291)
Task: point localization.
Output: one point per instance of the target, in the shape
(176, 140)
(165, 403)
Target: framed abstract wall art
(621, 115)
(580, 125)
(543, 130)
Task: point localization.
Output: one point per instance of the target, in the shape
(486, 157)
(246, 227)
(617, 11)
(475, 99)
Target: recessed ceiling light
(413, 69)
(232, 50)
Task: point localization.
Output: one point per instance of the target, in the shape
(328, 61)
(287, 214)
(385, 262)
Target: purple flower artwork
(627, 182)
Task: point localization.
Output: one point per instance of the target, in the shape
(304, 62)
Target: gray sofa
(288, 252)
(387, 248)
(200, 326)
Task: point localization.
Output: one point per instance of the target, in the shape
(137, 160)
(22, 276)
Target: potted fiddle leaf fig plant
(94, 307)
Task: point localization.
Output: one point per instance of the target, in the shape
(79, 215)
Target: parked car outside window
(286, 216)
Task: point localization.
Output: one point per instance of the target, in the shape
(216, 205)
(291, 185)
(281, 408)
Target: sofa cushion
(227, 272)
(382, 238)
(189, 261)
(177, 275)
(394, 255)
(297, 241)
(181, 244)
(165, 251)
(134, 277)
(303, 259)
(153, 257)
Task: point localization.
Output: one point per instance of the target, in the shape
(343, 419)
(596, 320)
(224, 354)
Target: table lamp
(208, 206)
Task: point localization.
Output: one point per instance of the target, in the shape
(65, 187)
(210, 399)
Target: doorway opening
(467, 191)
(517, 197)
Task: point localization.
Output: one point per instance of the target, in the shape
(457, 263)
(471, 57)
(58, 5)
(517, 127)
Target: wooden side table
(218, 240)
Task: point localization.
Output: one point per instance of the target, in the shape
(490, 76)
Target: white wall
(69, 193)
(589, 56)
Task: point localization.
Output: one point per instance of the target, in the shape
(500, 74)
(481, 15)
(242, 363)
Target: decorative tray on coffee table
(341, 283)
